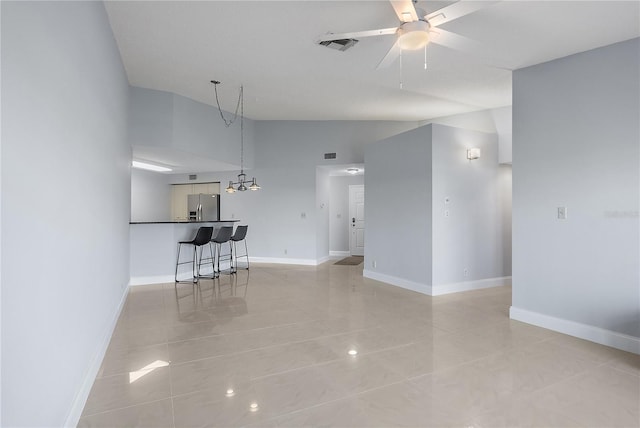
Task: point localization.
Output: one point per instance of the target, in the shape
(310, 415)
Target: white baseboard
(456, 287)
(576, 329)
(399, 282)
(277, 260)
(145, 280)
(90, 376)
(163, 279)
(339, 253)
(440, 289)
(324, 259)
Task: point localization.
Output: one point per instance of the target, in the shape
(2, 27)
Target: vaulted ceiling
(270, 48)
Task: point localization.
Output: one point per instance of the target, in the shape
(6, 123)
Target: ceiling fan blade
(357, 34)
(469, 47)
(454, 41)
(457, 10)
(390, 57)
(405, 10)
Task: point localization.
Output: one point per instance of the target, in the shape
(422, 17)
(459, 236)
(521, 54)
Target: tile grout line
(124, 407)
(173, 410)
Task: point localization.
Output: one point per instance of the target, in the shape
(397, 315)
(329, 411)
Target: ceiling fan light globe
(413, 35)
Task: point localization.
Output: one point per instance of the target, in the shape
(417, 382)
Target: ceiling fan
(417, 28)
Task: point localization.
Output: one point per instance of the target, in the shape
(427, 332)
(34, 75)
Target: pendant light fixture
(241, 184)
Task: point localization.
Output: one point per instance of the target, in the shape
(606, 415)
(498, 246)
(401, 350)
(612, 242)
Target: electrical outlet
(446, 213)
(303, 215)
(285, 251)
(374, 264)
(466, 272)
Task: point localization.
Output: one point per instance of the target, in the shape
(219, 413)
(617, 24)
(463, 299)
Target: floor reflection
(226, 295)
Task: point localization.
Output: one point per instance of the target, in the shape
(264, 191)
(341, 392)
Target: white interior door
(356, 219)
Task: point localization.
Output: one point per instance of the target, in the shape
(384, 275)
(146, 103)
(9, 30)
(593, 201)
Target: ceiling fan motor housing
(413, 35)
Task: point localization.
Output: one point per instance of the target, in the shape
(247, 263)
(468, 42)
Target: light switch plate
(562, 213)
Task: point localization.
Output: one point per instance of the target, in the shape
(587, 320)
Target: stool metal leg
(193, 264)
(246, 253)
(178, 262)
(213, 271)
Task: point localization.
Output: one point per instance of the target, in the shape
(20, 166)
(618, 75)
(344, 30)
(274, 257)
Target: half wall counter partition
(153, 247)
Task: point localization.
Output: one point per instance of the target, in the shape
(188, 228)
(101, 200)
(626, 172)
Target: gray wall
(150, 196)
(322, 213)
(575, 136)
(339, 222)
(505, 212)
(471, 236)
(150, 118)
(65, 204)
(288, 153)
(285, 213)
(166, 121)
(436, 222)
(398, 207)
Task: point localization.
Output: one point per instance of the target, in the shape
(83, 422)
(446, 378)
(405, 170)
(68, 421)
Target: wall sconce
(473, 153)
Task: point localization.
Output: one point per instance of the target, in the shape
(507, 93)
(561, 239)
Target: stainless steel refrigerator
(203, 207)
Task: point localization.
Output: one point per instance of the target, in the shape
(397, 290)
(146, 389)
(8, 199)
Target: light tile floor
(270, 348)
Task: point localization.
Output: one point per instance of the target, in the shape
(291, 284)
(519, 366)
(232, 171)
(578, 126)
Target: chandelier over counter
(241, 184)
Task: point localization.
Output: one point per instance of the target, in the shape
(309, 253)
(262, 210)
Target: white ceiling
(269, 47)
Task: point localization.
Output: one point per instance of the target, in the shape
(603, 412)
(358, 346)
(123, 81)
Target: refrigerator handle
(199, 212)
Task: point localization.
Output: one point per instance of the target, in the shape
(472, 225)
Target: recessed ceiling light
(353, 352)
(149, 167)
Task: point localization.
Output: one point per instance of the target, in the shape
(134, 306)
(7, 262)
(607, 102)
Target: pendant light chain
(227, 123)
(241, 184)
(241, 99)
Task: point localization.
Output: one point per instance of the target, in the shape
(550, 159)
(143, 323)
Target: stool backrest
(223, 235)
(241, 233)
(203, 236)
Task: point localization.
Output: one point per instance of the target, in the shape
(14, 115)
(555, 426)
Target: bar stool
(222, 237)
(240, 235)
(203, 237)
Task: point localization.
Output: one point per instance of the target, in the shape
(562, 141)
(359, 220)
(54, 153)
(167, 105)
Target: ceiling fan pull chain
(400, 69)
(425, 57)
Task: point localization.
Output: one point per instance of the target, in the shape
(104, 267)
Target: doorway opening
(356, 219)
(339, 219)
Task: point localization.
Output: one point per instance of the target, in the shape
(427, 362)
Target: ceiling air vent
(329, 155)
(193, 177)
(340, 44)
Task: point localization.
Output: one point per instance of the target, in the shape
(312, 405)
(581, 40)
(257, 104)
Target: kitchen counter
(153, 247)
